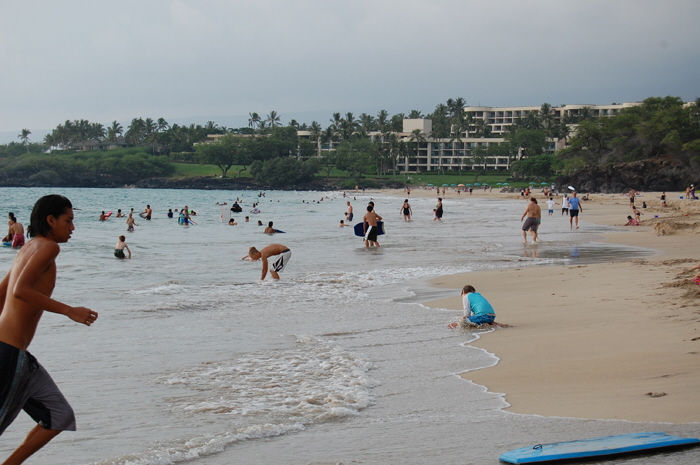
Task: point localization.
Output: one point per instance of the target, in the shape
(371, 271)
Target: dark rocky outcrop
(658, 174)
(48, 178)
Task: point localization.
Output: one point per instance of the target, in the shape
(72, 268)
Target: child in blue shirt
(477, 310)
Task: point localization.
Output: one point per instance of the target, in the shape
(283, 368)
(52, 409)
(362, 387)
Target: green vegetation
(660, 127)
(190, 170)
(123, 166)
(83, 153)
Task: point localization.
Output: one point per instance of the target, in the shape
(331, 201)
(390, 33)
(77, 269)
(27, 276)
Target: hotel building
(455, 154)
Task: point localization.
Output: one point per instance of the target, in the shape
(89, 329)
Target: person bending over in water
(280, 255)
(25, 293)
(119, 248)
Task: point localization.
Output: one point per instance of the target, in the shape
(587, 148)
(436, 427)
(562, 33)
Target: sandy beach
(618, 340)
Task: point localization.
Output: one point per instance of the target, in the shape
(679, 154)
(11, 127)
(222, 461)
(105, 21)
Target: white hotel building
(452, 155)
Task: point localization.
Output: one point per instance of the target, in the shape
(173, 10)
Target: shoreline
(617, 340)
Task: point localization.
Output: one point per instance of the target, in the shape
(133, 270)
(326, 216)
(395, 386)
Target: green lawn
(188, 170)
(185, 170)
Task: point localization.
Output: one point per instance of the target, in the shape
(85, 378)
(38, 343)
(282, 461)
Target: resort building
(458, 153)
(500, 118)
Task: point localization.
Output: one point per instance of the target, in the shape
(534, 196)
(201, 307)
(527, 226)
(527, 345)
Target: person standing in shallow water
(25, 293)
(406, 211)
(369, 224)
(574, 209)
(438, 209)
(534, 216)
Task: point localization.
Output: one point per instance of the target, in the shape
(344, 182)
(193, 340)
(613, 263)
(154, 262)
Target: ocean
(193, 360)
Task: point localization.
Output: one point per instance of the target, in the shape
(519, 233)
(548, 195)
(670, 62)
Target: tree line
(661, 127)
(657, 127)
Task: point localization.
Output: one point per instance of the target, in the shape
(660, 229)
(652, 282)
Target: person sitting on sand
(631, 221)
(477, 310)
(637, 215)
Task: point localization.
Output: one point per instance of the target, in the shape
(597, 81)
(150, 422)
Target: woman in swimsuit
(406, 211)
(438, 210)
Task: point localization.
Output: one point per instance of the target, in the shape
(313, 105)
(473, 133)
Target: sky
(193, 61)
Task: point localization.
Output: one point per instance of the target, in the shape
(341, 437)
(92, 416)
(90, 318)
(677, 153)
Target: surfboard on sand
(596, 447)
(359, 229)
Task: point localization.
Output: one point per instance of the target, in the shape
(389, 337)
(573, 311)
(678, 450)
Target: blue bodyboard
(359, 229)
(595, 447)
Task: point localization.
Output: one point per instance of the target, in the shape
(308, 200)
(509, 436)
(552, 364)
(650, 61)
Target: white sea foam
(313, 382)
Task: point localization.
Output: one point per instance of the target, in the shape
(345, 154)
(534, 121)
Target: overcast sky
(200, 60)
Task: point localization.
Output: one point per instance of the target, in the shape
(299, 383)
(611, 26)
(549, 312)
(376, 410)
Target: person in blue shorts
(574, 209)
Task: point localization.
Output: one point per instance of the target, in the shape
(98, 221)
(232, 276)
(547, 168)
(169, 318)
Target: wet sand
(616, 340)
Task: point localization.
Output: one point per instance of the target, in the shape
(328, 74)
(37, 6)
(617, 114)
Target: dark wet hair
(468, 288)
(370, 208)
(50, 205)
(269, 224)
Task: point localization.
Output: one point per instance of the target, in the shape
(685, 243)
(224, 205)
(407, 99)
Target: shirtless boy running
(25, 293)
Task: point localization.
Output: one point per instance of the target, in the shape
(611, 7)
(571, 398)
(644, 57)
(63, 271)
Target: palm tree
(382, 122)
(397, 122)
(417, 136)
(254, 120)
(329, 135)
(547, 120)
(348, 125)
(97, 132)
(273, 119)
(135, 133)
(415, 114)
(456, 107)
(162, 125)
(25, 138)
(114, 131)
(336, 121)
(367, 123)
(316, 134)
